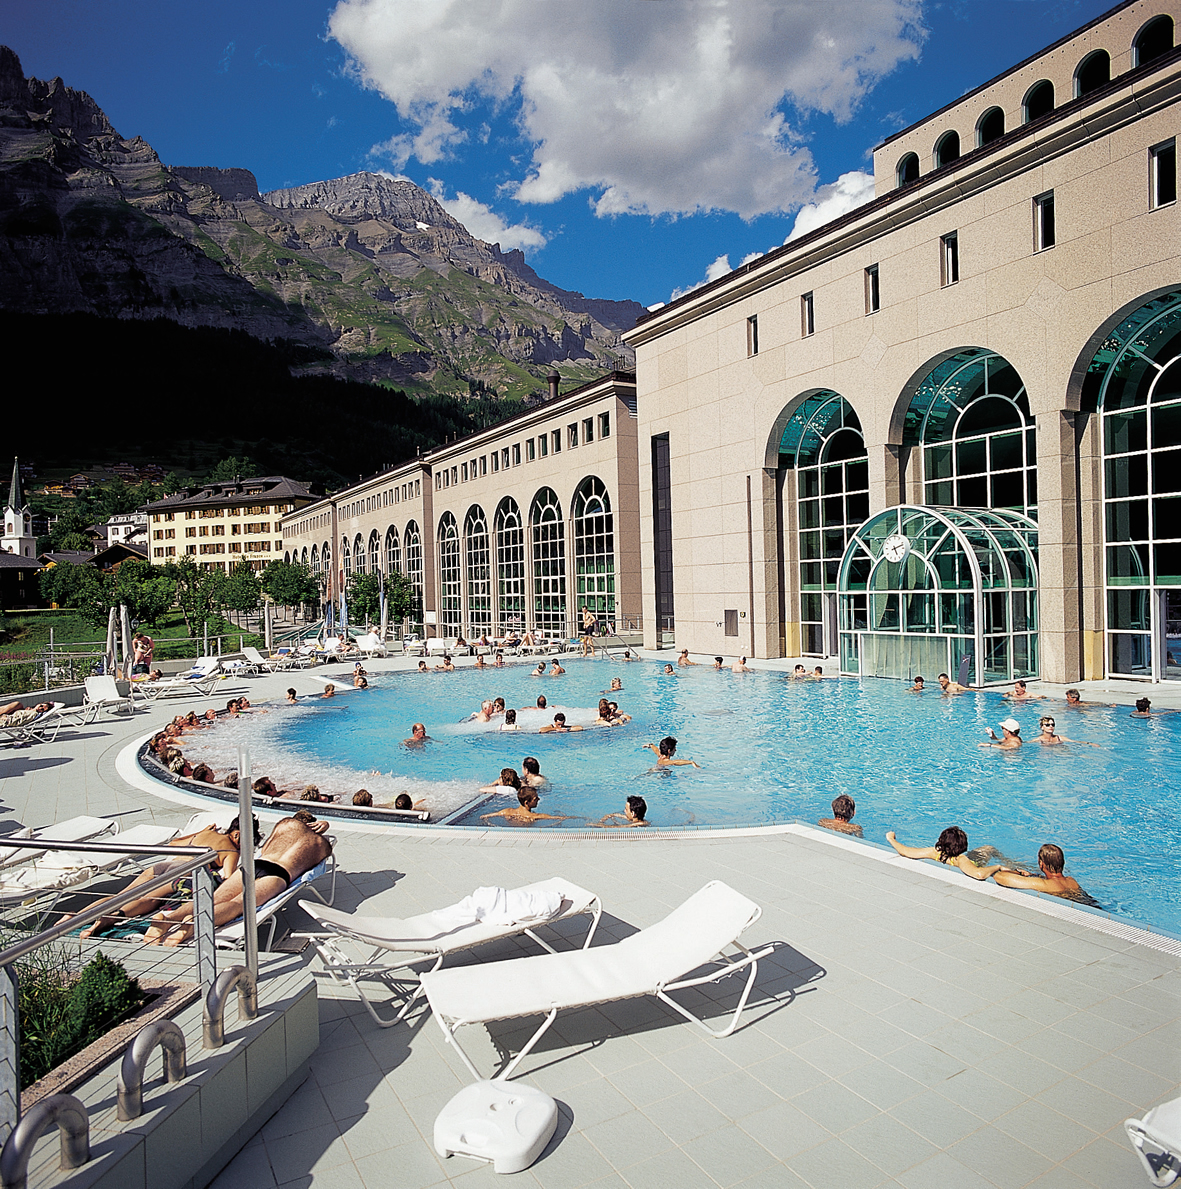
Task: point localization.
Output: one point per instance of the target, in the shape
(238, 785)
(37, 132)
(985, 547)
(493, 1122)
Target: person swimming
(951, 850)
(666, 753)
(635, 813)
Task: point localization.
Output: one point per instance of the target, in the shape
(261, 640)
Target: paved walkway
(912, 1028)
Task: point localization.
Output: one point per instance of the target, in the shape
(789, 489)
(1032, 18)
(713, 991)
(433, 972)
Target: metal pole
(246, 851)
(125, 620)
(10, 1095)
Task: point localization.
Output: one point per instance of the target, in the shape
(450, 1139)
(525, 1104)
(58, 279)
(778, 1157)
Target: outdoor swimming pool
(771, 750)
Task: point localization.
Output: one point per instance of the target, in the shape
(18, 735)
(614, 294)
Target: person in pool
(510, 721)
(1010, 740)
(797, 674)
(1049, 738)
(558, 726)
(719, 662)
(616, 685)
(918, 687)
(480, 661)
(422, 667)
(292, 696)
(539, 671)
(1074, 701)
(532, 770)
(843, 809)
(418, 736)
(1020, 693)
(666, 753)
(739, 666)
(668, 670)
(951, 849)
(1144, 710)
(556, 670)
(635, 813)
(498, 660)
(683, 660)
(542, 704)
(951, 687)
(525, 810)
(508, 779)
(1053, 880)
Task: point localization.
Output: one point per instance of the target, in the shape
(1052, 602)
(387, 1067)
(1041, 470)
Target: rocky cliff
(366, 267)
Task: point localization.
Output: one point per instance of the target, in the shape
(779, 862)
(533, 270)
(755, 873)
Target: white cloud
(847, 193)
(484, 223)
(671, 107)
(719, 268)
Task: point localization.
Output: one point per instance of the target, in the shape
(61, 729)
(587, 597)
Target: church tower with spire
(18, 520)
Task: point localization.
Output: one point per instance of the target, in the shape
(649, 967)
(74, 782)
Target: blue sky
(625, 146)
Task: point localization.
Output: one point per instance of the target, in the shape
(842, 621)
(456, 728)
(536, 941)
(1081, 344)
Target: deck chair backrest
(253, 655)
(102, 688)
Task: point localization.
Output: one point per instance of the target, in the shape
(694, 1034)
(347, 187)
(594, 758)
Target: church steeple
(18, 521)
(16, 499)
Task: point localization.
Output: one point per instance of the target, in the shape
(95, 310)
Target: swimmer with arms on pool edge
(1052, 862)
(843, 809)
(951, 850)
(951, 687)
(526, 811)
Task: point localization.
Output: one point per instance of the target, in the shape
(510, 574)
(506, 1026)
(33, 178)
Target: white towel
(501, 906)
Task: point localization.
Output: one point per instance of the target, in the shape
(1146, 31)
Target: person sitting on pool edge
(526, 810)
(1052, 880)
(951, 850)
(635, 813)
(666, 752)
(843, 809)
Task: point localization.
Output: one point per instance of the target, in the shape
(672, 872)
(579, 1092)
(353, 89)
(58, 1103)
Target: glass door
(1170, 636)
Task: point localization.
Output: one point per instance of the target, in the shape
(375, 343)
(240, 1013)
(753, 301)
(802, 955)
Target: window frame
(1043, 205)
(807, 314)
(949, 259)
(1155, 154)
(873, 289)
(752, 336)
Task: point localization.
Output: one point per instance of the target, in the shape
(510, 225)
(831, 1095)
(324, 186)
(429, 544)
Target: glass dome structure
(941, 590)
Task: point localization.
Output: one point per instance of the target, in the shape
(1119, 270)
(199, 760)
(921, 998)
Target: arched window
(947, 149)
(1093, 72)
(374, 553)
(1153, 41)
(908, 170)
(594, 550)
(346, 557)
(510, 567)
(479, 572)
(303, 558)
(359, 554)
(393, 551)
(286, 556)
(1039, 100)
(990, 126)
(549, 563)
(450, 577)
(824, 444)
(971, 416)
(412, 540)
(1139, 397)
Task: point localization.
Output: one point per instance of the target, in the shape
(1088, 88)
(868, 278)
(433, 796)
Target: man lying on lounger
(17, 714)
(294, 846)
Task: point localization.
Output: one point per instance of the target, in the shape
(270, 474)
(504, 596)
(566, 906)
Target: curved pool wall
(772, 750)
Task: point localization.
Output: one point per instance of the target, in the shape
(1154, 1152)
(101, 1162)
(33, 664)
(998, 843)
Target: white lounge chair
(74, 829)
(437, 646)
(45, 726)
(263, 664)
(426, 936)
(202, 678)
(232, 936)
(371, 645)
(102, 693)
(1157, 1140)
(652, 962)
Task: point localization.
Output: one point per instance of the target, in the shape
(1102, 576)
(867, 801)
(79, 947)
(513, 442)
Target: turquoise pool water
(771, 750)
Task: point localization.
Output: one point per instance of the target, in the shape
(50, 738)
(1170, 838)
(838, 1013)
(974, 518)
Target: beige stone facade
(514, 527)
(869, 306)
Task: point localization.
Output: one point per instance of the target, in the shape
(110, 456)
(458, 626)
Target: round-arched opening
(1093, 72)
(1153, 41)
(1039, 101)
(947, 149)
(594, 550)
(908, 170)
(990, 126)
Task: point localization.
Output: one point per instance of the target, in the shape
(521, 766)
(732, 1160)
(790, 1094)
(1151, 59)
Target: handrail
(171, 1039)
(196, 857)
(213, 1017)
(69, 1114)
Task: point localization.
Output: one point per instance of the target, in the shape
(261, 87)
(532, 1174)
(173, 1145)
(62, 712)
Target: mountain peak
(365, 195)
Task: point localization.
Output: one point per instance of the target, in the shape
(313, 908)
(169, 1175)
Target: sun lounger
(437, 646)
(232, 935)
(424, 936)
(371, 645)
(74, 829)
(263, 664)
(654, 961)
(102, 693)
(202, 678)
(43, 728)
(1157, 1140)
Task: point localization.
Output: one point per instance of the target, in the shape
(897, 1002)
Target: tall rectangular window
(731, 618)
(572, 435)
(557, 437)
(483, 464)
(1044, 231)
(949, 258)
(516, 454)
(873, 292)
(543, 444)
(604, 425)
(1163, 175)
(530, 449)
(807, 315)
(588, 431)
(752, 335)
(662, 532)
(495, 461)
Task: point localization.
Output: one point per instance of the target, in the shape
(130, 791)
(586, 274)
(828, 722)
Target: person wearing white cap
(1011, 738)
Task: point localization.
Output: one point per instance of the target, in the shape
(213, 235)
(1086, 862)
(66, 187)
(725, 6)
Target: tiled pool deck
(912, 1028)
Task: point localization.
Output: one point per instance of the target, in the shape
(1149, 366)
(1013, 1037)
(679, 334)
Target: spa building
(940, 433)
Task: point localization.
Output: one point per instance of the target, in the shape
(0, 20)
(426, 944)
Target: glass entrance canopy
(941, 590)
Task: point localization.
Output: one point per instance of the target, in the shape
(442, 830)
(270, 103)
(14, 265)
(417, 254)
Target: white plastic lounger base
(651, 962)
(508, 1126)
(426, 936)
(1157, 1140)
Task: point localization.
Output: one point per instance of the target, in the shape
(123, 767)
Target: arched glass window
(346, 557)
(824, 443)
(1154, 40)
(412, 540)
(510, 567)
(971, 416)
(594, 550)
(359, 554)
(1039, 100)
(303, 558)
(1138, 374)
(549, 563)
(1093, 72)
(479, 572)
(990, 126)
(393, 551)
(908, 170)
(450, 577)
(941, 590)
(947, 149)
(374, 553)
(286, 556)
